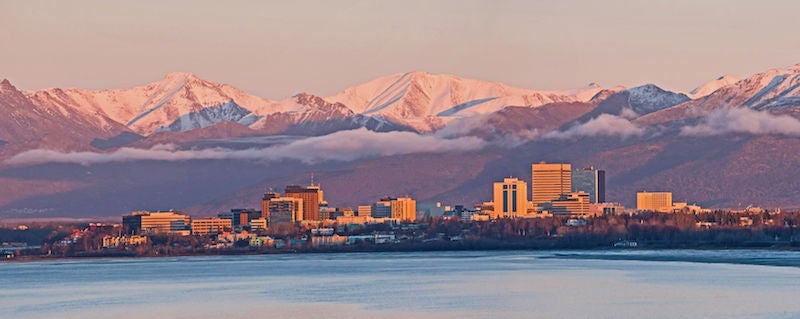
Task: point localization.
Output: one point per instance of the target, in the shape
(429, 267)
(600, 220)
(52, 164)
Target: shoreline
(565, 252)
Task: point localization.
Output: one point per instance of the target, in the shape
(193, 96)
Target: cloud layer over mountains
(743, 120)
(340, 146)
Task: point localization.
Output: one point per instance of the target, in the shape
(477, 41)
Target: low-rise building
(159, 222)
(213, 225)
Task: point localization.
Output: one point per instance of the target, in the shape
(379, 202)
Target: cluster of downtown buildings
(297, 205)
(556, 190)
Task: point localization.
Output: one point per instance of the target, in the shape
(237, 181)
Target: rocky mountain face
(185, 142)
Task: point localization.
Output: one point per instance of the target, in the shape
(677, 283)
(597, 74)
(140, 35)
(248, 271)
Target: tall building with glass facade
(591, 181)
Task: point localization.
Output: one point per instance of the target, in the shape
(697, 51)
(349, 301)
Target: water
(406, 285)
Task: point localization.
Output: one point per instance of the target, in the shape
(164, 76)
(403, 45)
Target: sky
(279, 48)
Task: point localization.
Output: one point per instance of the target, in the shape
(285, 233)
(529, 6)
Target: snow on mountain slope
(157, 106)
(421, 99)
(773, 90)
(25, 124)
(650, 98)
(712, 86)
(313, 115)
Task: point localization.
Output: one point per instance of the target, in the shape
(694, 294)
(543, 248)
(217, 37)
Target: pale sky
(278, 48)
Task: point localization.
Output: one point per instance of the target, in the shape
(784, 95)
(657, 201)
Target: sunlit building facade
(549, 181)
(654, 201)
(510, 198)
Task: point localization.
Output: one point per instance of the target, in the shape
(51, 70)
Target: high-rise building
(654, 201)
(285, 210)
(510, 198)
(156, 222)
(549, 181)
(265, 203)
(310, 196)
(592, 181)
(404, 209)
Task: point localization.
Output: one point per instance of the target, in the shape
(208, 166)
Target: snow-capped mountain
(712, 86)
(650, 98)
(25, 124)
(426, 101)
(179, 102)
(773, 90)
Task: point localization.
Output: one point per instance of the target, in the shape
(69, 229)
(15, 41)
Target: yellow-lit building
(404, 209)
(577, 203)
(654, 201)
(549, 181)
(160, 222)
(510, 198)
(205, 226)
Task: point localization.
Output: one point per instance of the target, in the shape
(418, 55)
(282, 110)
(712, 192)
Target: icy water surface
(499, 284)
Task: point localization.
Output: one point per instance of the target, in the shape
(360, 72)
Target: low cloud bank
(603, 125)
(339, 146)
(743, 120)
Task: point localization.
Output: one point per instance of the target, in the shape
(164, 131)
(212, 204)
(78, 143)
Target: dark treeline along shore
(713, 230)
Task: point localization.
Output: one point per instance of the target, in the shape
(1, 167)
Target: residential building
(591, 181)
(510, 198)
(549, 181)
(654, 201)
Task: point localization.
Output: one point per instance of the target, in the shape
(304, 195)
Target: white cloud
(603, 125)
(743, 120)
(628, 113)
(339, 146)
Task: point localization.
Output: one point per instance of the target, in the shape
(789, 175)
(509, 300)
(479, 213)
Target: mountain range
(187, 143)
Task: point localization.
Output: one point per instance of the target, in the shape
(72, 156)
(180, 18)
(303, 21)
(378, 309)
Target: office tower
(510, 198)
(549, 181)
(285, 210)
(591, 181)
(265, 203)
(310, 197)
(654, 201)
(382, 208)
(404, 209)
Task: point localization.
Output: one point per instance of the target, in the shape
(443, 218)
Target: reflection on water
(402, 285)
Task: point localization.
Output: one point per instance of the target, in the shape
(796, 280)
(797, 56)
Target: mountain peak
(180, 75)
(713, 86)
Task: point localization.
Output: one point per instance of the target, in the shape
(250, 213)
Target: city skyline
(534, 45)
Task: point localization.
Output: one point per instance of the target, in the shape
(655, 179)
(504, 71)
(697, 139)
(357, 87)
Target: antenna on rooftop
(312, 178)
